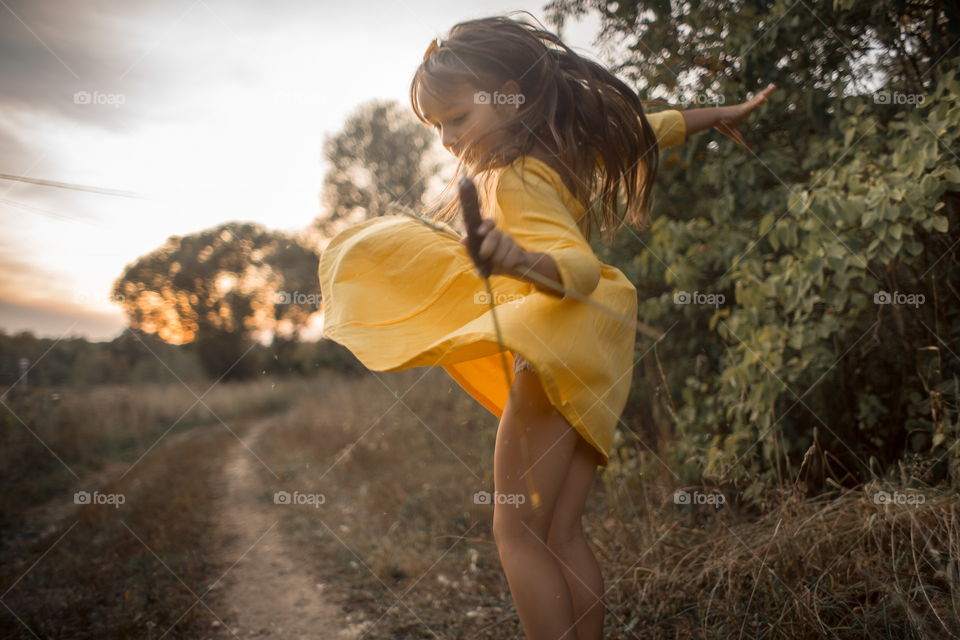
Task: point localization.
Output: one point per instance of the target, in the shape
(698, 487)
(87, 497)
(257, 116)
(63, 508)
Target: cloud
(51, 50)
(114, 65)
(19, 276)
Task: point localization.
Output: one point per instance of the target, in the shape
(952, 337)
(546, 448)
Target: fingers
(490, 240)
(506, 254)
(503, 253)
(745, 108)
(761, 97)
(733, 133)
(496, 247)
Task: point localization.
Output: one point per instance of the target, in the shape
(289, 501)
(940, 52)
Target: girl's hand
(734, 114)
(506, 256)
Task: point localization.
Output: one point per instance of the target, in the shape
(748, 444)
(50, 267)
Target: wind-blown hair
(590, 122)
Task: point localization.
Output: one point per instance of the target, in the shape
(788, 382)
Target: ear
(514, 97)
(510, 87)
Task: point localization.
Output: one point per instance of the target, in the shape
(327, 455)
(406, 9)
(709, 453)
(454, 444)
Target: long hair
(591, 123)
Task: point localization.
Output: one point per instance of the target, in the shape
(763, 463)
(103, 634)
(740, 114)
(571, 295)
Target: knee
(514, 525)
(563, 540)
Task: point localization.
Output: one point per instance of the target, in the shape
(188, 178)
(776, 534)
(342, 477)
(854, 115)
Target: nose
(449, 141)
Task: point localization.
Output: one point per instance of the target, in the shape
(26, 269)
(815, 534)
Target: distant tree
(131, 357)
(220, 287)
(379, 157)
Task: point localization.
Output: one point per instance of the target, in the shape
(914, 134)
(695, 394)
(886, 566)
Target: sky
(214, 109)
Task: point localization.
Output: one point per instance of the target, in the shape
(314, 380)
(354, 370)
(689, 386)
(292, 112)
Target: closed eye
(456, 120)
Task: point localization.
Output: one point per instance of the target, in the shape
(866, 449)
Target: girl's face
(464, 114)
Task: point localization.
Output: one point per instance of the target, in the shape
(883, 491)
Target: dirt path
(267, 593)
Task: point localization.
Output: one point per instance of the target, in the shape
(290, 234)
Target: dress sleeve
(533, 213)
(669, 127)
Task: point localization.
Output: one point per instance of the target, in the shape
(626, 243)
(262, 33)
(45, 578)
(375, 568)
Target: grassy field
(398, 541)
(402, 536)
(116, 570)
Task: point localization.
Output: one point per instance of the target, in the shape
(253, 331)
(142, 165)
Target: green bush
(850, 188)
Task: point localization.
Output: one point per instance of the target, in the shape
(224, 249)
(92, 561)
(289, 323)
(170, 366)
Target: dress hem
(549, 384)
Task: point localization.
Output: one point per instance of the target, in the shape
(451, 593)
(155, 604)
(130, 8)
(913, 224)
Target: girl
(556, 144)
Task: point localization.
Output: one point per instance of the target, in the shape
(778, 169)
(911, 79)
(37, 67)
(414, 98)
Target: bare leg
(566, 539)
(534, 573)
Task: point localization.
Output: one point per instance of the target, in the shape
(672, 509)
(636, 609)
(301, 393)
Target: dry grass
(53, 438)
(126, 572)
(405, 546)
(838, 566)
(97, 571)
(400, 543)
(399, 533)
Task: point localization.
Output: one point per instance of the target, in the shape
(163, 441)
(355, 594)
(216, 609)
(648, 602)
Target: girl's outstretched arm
(726, 118)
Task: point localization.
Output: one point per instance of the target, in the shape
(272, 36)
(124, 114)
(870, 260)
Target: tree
(380, 157)
(219, 289)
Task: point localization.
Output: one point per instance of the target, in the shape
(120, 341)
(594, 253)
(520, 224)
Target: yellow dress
(399, 294)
